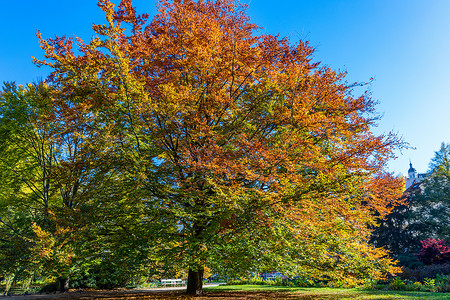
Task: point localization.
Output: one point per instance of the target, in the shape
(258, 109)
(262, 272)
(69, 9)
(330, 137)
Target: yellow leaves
(108, 7)
(44, 242)
(40, 234)
(50, 247)
(214, 121)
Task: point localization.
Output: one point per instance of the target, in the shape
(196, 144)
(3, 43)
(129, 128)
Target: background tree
(243, 153)
(433, 204)
(27, 156)
(48, 225)
(441, 160)
(397, 234)
(424, 215)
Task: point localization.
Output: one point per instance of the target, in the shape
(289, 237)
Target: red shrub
(434, 251)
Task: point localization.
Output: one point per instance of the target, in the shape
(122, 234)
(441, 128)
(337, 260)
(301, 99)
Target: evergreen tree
(424, 214)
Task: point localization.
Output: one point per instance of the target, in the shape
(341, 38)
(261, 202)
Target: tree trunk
(195, 281)
(63, 284)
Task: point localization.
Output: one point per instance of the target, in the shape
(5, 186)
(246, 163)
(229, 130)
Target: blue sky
(403, 44)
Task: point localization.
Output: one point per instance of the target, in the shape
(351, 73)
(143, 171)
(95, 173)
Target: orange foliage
(242, 131)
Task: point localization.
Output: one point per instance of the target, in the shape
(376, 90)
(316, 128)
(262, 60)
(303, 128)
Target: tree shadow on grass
(269, 293)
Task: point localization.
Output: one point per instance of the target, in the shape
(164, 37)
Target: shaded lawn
(254, 292)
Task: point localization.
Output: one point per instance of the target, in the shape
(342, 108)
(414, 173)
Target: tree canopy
(214, 145)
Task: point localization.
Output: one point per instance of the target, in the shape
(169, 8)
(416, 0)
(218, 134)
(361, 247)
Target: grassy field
(243, 292)
(274, 292)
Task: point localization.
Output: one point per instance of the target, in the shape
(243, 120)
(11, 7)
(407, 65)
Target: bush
(370, 284)
(419, 274)
(405, 285)
(296, 281)
(442, 283)
(105, 276)
(278, 281)
(417, 286)
(429, 283)
(434, 251)
(397, 284)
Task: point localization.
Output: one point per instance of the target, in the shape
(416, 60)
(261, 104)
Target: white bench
(174, 282)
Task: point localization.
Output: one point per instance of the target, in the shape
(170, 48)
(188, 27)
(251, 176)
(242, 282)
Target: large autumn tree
(246, 153)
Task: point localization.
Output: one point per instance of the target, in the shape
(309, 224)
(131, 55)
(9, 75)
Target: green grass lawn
(328, 293)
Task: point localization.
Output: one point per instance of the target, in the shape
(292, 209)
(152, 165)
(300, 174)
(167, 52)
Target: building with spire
(414, 179)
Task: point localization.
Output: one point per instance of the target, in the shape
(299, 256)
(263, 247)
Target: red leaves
(434, 251)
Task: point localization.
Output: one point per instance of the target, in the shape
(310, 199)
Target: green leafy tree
(441, 161)
(35, 195)
(27, 155)
(62, 213)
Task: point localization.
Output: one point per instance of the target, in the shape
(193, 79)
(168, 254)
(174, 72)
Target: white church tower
(413, 177)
